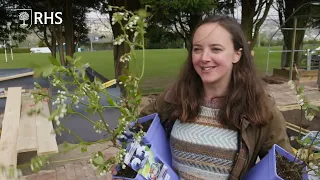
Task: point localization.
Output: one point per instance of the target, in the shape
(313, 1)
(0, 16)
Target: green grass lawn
(161, 67)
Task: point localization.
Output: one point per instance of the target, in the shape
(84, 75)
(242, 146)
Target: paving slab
(72, 164)
(71, 171)
(284, 96)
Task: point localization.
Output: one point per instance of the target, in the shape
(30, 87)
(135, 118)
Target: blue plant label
(130, 153)
(141, 159)
(152, 169)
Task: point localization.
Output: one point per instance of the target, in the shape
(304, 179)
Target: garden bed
(293, 116)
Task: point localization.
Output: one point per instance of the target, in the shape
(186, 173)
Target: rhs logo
(27, 17)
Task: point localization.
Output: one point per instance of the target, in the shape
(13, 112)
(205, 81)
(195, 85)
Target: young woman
(217, 114)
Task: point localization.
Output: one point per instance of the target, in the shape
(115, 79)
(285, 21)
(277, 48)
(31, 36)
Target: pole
(318, 80)
(267, 70)
(11, 47)
(308, 59)
(5, 51)
(91, 44)
(259, 39)
(9, 28)
(293, 46)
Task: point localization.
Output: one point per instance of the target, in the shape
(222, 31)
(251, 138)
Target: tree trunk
(119, 50)
(68, 24)
(57, 34)
(61, 53)
(287, 8)
(253, 14)
(53, 47)
(247, 14)
(46, 37)
(192, 23)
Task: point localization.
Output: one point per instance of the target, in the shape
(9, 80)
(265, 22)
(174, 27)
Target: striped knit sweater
(203, 149)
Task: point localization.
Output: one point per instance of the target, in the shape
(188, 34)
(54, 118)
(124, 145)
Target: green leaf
(130, 119)
(78, 59)
(66, 145)
(54, 61)
(100, 154)
(78, 64)
(299, 141)
(143, 13)
(314, 107)
(36, 69)
(316, 156)
(300, 89)
(139, 97)
(98, 160)
(123, 78)
(132, 101)
(43, 70)
(47, 70)
(70, 59)
(111, 102)
(84, 149)
(306, 141)
(37, 72)
(117, 130)
(125, 111)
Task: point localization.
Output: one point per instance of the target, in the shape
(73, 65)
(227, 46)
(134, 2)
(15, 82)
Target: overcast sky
(272, 14)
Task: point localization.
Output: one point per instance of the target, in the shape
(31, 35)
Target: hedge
(16, 50)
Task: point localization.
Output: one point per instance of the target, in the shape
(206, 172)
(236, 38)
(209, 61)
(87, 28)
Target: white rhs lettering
(58, 16)
(38, 18)
(47, 17)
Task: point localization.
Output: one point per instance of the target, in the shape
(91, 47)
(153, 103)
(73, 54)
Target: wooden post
(293, 46)
(308, 60)
(318, 80)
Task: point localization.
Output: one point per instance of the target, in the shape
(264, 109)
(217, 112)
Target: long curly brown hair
(247, 96)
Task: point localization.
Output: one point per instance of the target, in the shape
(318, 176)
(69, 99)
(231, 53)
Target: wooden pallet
(23, 133)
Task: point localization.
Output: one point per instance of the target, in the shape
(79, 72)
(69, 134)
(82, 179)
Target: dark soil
(128, 172)
(272, 80)
(293, 116)
(285, 171)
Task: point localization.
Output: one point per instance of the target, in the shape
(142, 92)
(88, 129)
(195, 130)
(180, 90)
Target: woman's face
(213, 54)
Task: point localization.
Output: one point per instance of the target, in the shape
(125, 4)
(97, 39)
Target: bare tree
(253, 15)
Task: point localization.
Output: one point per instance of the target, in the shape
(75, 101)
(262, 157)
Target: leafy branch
(305, 153)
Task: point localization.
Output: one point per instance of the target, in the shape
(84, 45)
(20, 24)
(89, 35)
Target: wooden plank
(46, 138)
(10, 128)
(296, 106)
(297, 128)
(27, 139)
(1, 119)
(16, 76)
